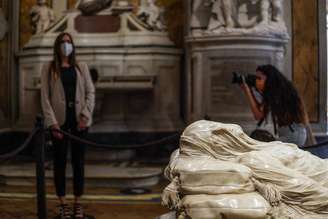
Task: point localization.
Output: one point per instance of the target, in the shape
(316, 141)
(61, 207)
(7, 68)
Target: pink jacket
(53, 96)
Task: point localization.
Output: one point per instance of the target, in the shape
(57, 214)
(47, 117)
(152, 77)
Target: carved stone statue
(276, 11)
(41, 16)
(221, 14)
(151, 14)
(195, 22)
(89, 7)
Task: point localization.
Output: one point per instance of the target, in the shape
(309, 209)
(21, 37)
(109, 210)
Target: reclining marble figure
(220, 172)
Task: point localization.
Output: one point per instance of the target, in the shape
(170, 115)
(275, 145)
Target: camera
(238, 78)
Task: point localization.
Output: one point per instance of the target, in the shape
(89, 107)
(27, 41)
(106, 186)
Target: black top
(68, 78)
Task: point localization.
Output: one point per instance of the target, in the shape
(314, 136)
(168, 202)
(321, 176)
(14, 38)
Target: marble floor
(25, 209)
(101, 200)
(20, 203)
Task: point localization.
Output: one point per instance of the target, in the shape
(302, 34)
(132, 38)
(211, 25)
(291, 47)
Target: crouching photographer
(280, 99)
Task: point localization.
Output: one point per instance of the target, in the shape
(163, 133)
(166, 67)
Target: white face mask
(66, 48)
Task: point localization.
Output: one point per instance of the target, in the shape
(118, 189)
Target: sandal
(65, 212)
(78, 211)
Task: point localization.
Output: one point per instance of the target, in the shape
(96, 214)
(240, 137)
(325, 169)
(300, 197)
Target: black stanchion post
(40, 171)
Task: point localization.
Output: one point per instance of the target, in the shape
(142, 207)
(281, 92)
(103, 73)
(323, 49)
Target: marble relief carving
(276, 11)
(152, 15)
(221, 14)
(263, 17)
(195, 20)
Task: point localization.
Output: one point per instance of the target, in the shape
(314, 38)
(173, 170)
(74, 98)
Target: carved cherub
(151, 14)
(276, 11)
(41, 17)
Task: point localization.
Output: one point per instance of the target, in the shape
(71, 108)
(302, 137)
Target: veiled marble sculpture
(220, 172)
(42, 17)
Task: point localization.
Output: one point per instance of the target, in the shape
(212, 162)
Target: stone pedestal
(212, 60)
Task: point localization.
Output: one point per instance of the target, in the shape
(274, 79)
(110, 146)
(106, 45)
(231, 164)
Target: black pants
(77, 160)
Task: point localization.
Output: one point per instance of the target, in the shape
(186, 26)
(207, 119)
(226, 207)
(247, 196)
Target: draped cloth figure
(220, 172)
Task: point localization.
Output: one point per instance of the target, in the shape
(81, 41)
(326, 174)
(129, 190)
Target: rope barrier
(153, 143)
(120, 147)
(115, 147)
(20, 148)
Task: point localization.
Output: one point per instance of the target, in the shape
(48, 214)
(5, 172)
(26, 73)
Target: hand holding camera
(245, 81)
(240, 79)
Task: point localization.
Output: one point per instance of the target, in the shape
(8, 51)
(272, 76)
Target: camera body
(238, 78)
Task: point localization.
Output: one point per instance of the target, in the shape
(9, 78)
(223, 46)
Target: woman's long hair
(281, 98)
(55, 66)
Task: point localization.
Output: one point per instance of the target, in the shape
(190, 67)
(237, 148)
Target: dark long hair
(57, 60)
(281, 98)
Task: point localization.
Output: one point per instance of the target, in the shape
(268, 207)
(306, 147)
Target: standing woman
(282, 101)
(67, 98)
